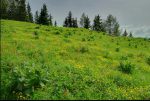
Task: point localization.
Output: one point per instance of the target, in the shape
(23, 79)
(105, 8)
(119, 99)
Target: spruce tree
(36, 17)
(111, 25)
(43, 18)
(130, 35)
(125, 33)
(50, 20)
(22, 12)
(82, 20)
(75, 23)
(70, 22)
(65, 23)
(30, 16)
(3, 10)
(55, 24)
(97, 26)
(87, 22)
(116, 30)
(12, 11)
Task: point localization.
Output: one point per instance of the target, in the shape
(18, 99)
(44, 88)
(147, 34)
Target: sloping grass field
(43, 62)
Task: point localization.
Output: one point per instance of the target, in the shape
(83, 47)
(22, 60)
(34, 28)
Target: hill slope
(41, 62)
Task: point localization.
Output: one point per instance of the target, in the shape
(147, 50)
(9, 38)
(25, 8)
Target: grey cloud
(138, 31)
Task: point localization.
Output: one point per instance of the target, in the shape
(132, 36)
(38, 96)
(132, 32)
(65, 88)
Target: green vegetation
(46, 62)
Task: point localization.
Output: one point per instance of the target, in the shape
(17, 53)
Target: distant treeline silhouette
(18, 10)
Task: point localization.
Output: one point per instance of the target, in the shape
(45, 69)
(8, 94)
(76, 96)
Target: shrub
(117, 43)
(106, 55)
(104, 33)
(83, 39)
(148, 60)
(124, 58)
(36, 34)
(24, 83)
(57, 32)
(129, 44)
(37, 27)
(130, 55)
(112, 40)
(135, 46)
(47, 30)
(68, 34)
(83, 49)
(126, 67)
(117, 49)
(90, 38)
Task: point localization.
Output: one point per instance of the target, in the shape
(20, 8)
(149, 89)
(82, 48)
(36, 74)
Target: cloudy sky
(132, 15)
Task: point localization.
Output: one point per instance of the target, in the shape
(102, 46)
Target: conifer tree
(116, 30)
(50, 20)
(130, 35)
(22, 12)
(111, 25)
(65, 22)
(12, 11)
(82, 20)
(97, 26)
(87, 22)
(43, 18)
(70, 22)
(36, 17)
(3, 10)
(30, 16)
(75, 23)
(55, 24)
(125, 33)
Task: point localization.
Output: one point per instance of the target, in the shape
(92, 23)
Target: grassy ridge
(41, 62)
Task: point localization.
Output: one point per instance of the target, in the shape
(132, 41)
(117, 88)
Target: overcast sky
(134, 15)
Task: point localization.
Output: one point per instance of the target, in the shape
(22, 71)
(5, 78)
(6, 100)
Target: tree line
(18, 10)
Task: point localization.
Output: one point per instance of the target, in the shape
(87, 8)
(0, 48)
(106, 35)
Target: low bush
(36, 34)
(123, 58)
(23, 83)
(117, 49)
(106, 54)
(37, 27)
(57, 32)
(126, 67)
(82, 49)
(148, 60)
(129, 44)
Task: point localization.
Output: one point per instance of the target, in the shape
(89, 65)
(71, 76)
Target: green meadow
(57, 63)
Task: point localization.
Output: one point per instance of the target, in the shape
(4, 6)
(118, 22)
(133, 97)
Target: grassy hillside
(42, 62)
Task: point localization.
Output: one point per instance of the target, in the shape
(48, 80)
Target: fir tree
(82, 20)
(36, 17)
(70, 22)
(22, 13)
(65, 22)
(30, 16)
(116, 30)
(111, 25)
(43, 18)
(3, 10)
(130, 35)
(55, 24)
(97, 26)
(12, 11)
(50, 20)
(75, 23)
(125, 33)
(87, 22)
